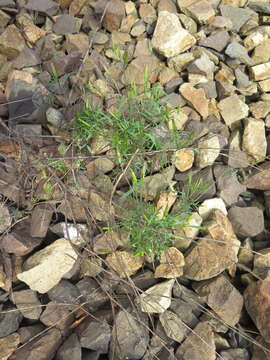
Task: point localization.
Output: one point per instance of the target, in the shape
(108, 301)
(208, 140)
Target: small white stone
(209, 205)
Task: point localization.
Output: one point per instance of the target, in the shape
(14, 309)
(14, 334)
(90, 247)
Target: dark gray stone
(28, 303)
(91, 293)
(10, 319)
(57, 315)
(95, 335)
(28, 332)
(65, 24)
(246, 221)
(26, 58)
(47, 7)
(209, 89)
(64, 292)
(70, 349)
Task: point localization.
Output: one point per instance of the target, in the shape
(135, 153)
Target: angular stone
(169, 38)
(196, 97)
(236, 51)
(261, 264)
(261, 71)
(157, 298)
(64, 293)
(95, 335)
(124, 263)
(47, 7)
(233, 109)
(260, 109)
(208, 151)
(5, 218)
(173, 326)
(135, 71)
(70, 349)
(183, 159)
(171, 264)
(180, 62)
(11, 42)
(8, 345)
(231, 354)
(209, 88)
(4, 19)
(147, 13)
(98, 204)
(26, 58)
(45, 268)
(238, 16)
(261, 53)
(77, 234)
(40, 220)
(255, 39)
(57, 315)
(246, 221)
(199, 345)
(206, 208)
(222, 250)
(113, 13)
(261, 179)
(222, 297)
(200, 10)
(27, 303)
(33, 33)
(65, 24)
(10, 320)
(265, 85)
(257, 303)
(203, 66)
(260, 6)
(254, 139)
(217, 41)
(242, 80)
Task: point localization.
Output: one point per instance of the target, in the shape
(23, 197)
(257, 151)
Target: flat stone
(222, 297)
(169, 38)
(77, 233)
(157, 298)
(26, 58)
(196, 97)
(124, 263)
(261, 71)
(27, 303)
(261, 179)
(203, 66)
(4, 19)
(47, 7)
(208, 150)
(70, 349)
(260, 6)
(180, 62)
(257, 303)
(246, 221)
(221, 23)
(171, 264)
(265, 85)
(236, 51)
(189, 24)
(44, 269)
(65, 24)
(217, 41)
(10, 320)
(64, 293)
(173, 326)
(134, 72)
(8, 345)
(238, 16)
(201, 10)
(192, 347)
(11, 42)
(231, 354)
(167, 5)
(108, 241)
(260, 109)
(209, 88)
(233, 109)
(261, 53)
(242, 80)
(95, 335)
(98, 204)
(33, 33)
(254, 139)
(255, 39)
(57, 315)
(183, 159)
(40, 220)
(222, 251)
(206, 208)
(113, 13)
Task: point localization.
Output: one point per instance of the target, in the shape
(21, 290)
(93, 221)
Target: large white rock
(47, 267)
(157, 298)
(169, 38)
(254, 139)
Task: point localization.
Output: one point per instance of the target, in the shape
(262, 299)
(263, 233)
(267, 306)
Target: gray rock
(92, 293)
(47, 7)
(260, 7)
(28, 303)
(65, 24)
(209, 88)
(235, 354)
(216, 41)
(238, 16)
(26, 58)
(57, 315)
(64, 292)
(174, 100)
(173, 326)
(236, 51)
(186, 311)
(95, 335)
(70, 349)
(10, 319)
(242, 80)
(28, 332)
(248, 221)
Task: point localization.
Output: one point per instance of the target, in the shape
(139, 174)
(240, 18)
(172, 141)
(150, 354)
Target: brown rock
(221, 247)
(261, 179)
(196, 97)
(113, 13)
(221, 296)
(124, 263)
(200, 10)
(76, 7)
(40, 220)
(257, 303)
(260, 109)
(63, 64)
(217, 41)
(64, 3)
(147, 13)
(171, 264)
(27, 303)
(8, 345)
(134, 73)
(199, 345)
(99, 206)
(11, 42)
(183, 159)
(73, 209)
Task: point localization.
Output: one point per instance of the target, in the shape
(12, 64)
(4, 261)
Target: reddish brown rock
(196, 97)
(113, 13)
(40, 220)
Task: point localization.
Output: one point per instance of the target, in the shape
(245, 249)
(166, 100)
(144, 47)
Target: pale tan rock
(261, 72)
(206, 208)
(77, 42)
(8, 345)
(157, 298)
(135, 71)
(169, 38)
(33, 33)
(167, 75)
(261, 264)
(11, 42)
(165, 202)
(254, 139)
(233, 109)
(180, 62)
(208, 151)
(5, 217)
(108, 242)
(99, 206)
(183, 159)
(147, 13)
(220, 245)
(201, 10)
(260, 109)
(254, 39)
(127, 23)
(195, 97)
(177, 119)
(124, 263)
(171, 264)
(261, 53)
(130, 8)
(265, 85)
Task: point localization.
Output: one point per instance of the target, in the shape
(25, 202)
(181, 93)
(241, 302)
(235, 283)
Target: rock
(203, 66)
(8, 345)
(183, 159)
(27, 303)
(238, 16)
(261, 53)
(217, 41)
(92, 293)
(157, 298)
(171, 264)
(254, 39)
(64, 293)
(165, 202)
(65, 24)
(261, 71)
(201, 10)
(113, 13)
(40, 220)
(95, 335)
(101, 165)
(260, 6)
(44, 269)
(147, 13)
(43, 347)
(108, 242)
(33, 33)
(260, 109)
(124, 263)
(245, 255)
(77, 43)
(26, 58)
(75, 233)
(99, 206)
(28, 332)
(222, 297)
(169, 38)
(196, 97)
(130, 335)
(261, 264)
(236, 51)
(261, 179)
(222, 250)
(5, 218)
(70, 349)
(246, 221)
(135, 70)
(10, 319)
(46, 7)
(228, 186)
(233, 354)
(232, 110)
(209, 88)
(242, 80)
(206, 208)
(236, 158)
(173, 326)
(257, 303)
(73, 209)
(208, 151)
(11, 42)
(254, 139)
(180, 62)
(199, 345)
(177, 119)
(57, 315)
